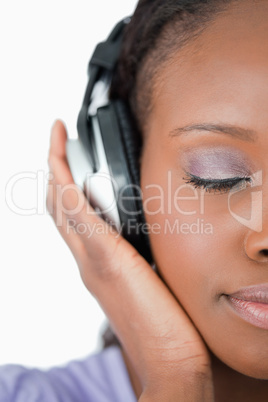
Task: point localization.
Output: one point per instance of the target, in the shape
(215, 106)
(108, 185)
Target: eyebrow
(228, 129)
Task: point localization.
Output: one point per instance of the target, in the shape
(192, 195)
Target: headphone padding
(130, 138)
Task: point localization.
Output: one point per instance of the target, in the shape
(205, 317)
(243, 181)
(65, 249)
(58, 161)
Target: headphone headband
(104, 57)
(106, 53)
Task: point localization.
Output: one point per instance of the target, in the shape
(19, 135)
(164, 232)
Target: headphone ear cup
(122, 148)
(130, 138)
(132, 146)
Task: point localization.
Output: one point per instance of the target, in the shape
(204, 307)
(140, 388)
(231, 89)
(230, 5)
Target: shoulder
(99, 377)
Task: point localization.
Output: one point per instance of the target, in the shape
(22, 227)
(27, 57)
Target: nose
(256, 243)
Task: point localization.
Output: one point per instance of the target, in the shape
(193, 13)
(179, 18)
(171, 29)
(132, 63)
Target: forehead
(223, 72)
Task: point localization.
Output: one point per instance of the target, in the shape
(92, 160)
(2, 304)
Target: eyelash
(223, 186)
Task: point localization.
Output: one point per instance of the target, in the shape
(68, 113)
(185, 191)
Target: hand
(166, 350)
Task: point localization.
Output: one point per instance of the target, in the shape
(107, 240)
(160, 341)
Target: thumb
(58, 139)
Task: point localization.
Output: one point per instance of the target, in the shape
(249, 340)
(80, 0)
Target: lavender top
(100, 377)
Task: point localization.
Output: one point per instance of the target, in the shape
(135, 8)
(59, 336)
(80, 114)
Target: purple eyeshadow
(216, 163)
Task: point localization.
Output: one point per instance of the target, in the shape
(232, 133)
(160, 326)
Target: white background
(47, 317)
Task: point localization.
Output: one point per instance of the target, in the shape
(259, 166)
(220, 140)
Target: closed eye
(222, 186)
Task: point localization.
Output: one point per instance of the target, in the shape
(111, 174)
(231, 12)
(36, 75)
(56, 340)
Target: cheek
(192, 238)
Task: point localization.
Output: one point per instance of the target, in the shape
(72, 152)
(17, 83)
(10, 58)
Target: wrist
(186, 390)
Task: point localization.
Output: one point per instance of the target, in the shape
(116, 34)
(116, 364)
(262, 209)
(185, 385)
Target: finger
(57, 151)
(60, 174)
(58, 139)
(64, 226)
(62, 187)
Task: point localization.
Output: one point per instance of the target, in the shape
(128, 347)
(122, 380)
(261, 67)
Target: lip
(257, 293)
(251, 304)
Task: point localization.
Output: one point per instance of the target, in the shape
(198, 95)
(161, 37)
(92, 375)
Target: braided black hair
(157, 29)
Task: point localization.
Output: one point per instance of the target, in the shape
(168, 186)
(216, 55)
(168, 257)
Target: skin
(221, 77)
(182, 324)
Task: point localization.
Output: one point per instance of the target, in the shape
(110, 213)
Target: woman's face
(211, 244)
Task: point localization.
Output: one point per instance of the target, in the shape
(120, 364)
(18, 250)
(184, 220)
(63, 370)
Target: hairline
(148, 76)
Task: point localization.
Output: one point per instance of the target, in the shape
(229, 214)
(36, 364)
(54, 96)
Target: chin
(257, 368)
(256, 371)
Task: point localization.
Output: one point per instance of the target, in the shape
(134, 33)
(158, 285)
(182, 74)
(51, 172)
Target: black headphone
(104, 158)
